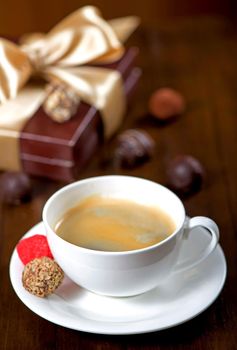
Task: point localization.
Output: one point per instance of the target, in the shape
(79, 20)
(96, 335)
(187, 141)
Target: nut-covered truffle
(61, 102)
(133, 147)
(166, 103)
(15, 187)
(42, 276)
(185, 174)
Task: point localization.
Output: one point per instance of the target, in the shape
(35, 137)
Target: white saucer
(162, 307)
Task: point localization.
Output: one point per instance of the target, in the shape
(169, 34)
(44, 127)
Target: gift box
(55, 145)
(61, 151)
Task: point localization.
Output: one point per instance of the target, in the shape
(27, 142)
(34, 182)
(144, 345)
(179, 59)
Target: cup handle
(209, 225)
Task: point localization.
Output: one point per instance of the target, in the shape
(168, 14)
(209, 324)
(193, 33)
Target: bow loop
(47, 51)
(15, 70)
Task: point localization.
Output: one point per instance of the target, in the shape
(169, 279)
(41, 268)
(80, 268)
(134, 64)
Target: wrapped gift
(53, 129)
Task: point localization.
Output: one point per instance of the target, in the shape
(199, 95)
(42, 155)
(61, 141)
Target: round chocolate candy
(185, 174)
(15, 187)
(166, 103)
(42, 276)
(134, 146)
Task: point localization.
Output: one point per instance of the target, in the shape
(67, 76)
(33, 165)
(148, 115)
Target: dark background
(187, 45)
(20, 16)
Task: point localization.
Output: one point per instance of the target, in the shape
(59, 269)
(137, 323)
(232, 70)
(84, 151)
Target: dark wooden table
(199, 58)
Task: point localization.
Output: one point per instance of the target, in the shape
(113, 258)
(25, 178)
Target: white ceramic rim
(109, 253)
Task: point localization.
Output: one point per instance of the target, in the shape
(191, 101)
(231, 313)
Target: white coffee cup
(130, 272)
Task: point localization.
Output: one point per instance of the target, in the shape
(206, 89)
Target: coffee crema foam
(114, 224)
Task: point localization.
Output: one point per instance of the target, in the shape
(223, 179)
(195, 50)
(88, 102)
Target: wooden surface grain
(198, 58)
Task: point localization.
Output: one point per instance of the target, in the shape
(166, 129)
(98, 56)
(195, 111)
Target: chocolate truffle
(185, 174)
(15, 187)
(61, 102)
(166, 103)
(42, 276)
(133, 148)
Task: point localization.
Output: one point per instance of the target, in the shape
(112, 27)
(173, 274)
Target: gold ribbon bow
(64, 53)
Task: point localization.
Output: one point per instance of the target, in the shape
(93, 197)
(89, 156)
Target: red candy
(33, 247)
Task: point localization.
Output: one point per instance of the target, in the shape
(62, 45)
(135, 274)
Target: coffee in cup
(111, 224)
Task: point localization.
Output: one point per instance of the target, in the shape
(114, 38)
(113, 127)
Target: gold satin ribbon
(83, 38)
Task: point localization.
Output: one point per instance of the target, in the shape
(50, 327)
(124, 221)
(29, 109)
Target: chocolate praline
(42, 276)
(166, 103)
(185, 174)
(134, 146)
(15, 187)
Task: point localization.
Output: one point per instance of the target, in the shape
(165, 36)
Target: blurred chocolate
(61, 103)
(133, 148)
(166, 103)
(15, 188)
(185, 175)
